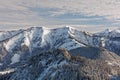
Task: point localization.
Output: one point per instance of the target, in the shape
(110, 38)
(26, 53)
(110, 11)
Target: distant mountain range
(40, 53)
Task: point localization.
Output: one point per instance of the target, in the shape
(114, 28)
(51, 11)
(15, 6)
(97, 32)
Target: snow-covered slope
(65, 37)
(41, 39)
(111, 39)
(8, 34)
(110, 33)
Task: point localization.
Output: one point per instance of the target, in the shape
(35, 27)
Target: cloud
(53, 12)
(107, 8)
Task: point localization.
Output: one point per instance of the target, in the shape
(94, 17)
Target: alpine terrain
(40, 53)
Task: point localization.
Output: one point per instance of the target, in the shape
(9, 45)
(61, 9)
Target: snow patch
(109, 63)
(44, 36)
(113, 63)
(27, 42)
(6, 71)
(13, 42)
(15, 58)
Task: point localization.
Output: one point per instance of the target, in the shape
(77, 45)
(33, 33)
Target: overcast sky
(90, 13)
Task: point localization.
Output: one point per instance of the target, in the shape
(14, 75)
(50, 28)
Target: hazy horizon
(91, 29)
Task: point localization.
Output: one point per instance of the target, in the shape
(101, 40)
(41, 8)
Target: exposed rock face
(60, 65)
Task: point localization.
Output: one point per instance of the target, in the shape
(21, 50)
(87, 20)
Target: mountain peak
(66, 26)
(110, 33)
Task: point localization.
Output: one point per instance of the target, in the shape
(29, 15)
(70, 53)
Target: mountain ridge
(18, 47)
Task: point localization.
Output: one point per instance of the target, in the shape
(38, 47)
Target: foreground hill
(60, 65)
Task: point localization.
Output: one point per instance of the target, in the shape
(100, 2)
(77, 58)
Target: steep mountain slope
(39, 36)
(22, 43)
(111, 39)
(8, 34)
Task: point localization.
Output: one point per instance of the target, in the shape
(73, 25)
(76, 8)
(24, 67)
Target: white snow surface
(13, 42)
(15, 58)
(45, 36)
(6, 71)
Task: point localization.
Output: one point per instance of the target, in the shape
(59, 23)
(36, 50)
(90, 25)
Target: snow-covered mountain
(43, 39)
(23, 42)
(65, 37)
(17, 48)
